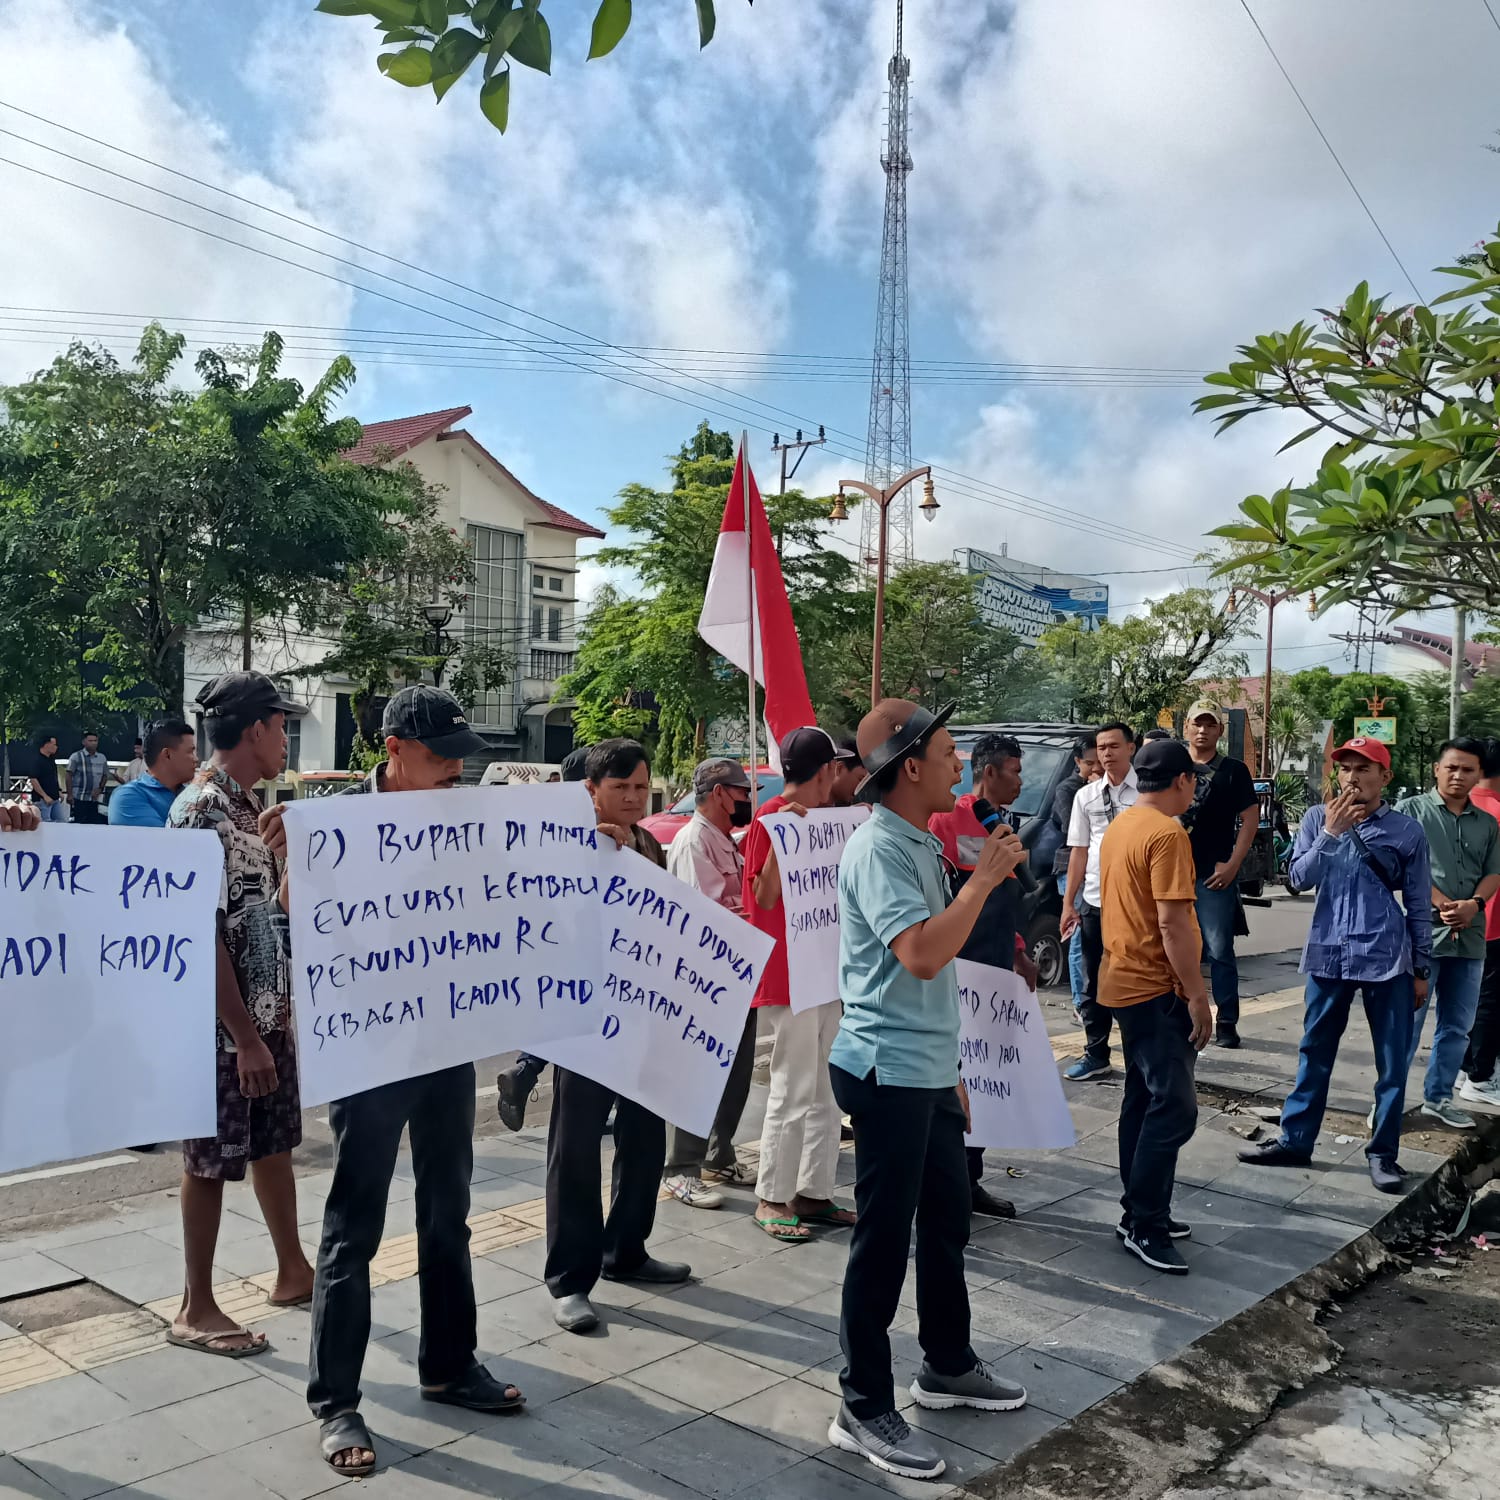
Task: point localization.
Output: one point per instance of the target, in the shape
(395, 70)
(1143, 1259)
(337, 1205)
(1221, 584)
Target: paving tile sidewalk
(725, 1386)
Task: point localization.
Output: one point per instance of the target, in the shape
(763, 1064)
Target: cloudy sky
(1097, 185)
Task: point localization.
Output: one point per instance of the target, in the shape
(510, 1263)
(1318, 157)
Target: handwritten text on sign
(679, 974)
(1015, 1096)
(436, 928)
(808, 850)
(106, 989)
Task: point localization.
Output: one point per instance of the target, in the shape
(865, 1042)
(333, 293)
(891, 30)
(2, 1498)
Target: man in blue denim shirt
(1359, 852)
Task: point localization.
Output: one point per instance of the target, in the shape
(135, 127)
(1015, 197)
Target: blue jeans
(1078, 978)
(51, 812)
(1388, 1008)
(1216, 914)
(1455, 987)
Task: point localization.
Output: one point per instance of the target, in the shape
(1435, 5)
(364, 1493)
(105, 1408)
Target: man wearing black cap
(895, 1070)
(259, 1110)
(799, 1141)
(1150, 979)
(849, 774)
(427, 739)
(515, 1084)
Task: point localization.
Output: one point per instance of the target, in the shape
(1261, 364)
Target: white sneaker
(1370, 1121)
(1487, 1092)
(694, 1192)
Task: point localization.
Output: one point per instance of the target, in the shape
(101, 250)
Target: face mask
(739, 814)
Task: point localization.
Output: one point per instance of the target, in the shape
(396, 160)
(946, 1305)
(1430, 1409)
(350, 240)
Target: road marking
(67, 1170)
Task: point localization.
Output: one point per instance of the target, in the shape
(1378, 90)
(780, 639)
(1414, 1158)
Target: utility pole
(888, 448)
(1456, 669)
(798, 445)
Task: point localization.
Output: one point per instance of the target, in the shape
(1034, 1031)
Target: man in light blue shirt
(894, 1067)
(171, 759)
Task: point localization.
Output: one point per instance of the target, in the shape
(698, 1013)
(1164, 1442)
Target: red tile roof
(403, 434)
(557, 517)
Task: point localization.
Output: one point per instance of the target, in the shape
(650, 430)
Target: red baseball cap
(1370, 749)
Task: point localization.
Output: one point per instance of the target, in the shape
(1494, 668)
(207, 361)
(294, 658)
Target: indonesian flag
(733, 607)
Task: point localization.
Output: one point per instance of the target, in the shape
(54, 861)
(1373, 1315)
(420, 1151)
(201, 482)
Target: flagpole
(750, 621)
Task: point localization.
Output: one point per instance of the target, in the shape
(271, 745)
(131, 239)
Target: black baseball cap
(804, 752)
(243, 695)
(434, 718)
(575, 763)
(1162, 761)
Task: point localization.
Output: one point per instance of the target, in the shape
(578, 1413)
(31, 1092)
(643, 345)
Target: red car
(663, 826)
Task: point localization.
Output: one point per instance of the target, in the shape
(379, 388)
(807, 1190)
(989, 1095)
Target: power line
(1491, 10)
(1369, 214)
(1011, 499)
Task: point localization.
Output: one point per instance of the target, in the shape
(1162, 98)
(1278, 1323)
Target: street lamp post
(883, 498)
(438, 615)
(1270, 601)
(935, 676)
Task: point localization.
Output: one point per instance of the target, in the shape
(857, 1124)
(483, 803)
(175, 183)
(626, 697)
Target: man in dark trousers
(1085, 770)
(582, 1243)
(996, 765)
(895, 1073)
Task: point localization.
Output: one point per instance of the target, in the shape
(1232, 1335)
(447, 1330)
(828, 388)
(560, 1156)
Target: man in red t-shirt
(799, 1141)
(1478, 1083)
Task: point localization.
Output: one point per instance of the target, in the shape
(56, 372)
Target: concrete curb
(1182, 1415)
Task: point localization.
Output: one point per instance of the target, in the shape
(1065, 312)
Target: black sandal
(477, 1390)
(343, 1434)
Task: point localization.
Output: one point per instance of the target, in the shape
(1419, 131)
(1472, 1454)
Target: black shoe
(1386, 1175)
(1176, 1230)
(1227, 1036)
(983, 1202)
(846, 1132)
(1275, 1154)
(654, 1272)
(1159, 1253)
(477, 1390)
(513, 1089)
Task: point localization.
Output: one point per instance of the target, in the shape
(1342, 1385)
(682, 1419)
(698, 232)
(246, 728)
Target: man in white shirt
(704, 856)
(1094, 809)
(135, 767)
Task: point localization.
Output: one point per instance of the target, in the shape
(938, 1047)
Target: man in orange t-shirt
(1150, 978)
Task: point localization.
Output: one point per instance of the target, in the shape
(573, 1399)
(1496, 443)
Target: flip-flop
(304, 1301)
(783, 1229)
(340, 1434)
(203, 1341)
(835, 1217)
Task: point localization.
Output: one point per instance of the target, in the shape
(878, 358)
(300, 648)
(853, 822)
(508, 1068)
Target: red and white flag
(746, 602)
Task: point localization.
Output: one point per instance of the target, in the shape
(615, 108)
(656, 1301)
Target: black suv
(1046, 760)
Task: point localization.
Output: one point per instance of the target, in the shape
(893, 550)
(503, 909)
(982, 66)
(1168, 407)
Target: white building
(525, 560)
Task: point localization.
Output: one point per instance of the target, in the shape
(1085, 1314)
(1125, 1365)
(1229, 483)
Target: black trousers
(1159, 1112)
(975, 1161)
(1096, 1018)
(438, 1110)
(581, 1241)
(688, 1154)
(1484, 1035)
(88, 812)
(909, 1166)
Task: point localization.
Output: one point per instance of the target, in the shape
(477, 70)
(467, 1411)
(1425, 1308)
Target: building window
(496, 614)
(536, 580)
(554, 624)
(548, 666)
(555, 584)
(293, 743)
(537, 628)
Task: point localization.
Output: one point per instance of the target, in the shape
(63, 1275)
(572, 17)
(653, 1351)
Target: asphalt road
(37, 1201)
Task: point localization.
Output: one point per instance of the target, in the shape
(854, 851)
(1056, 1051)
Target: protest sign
(679, 974)
(808, 850)
(436, 928)
(107, 960)
(1015, 1096)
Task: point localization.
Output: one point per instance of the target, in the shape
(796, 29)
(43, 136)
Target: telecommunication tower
(888, 448)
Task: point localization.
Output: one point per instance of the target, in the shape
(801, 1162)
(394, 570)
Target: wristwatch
(1479, 902)
(1422, 973)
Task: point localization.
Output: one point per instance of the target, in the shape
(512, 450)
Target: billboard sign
(1028, 599)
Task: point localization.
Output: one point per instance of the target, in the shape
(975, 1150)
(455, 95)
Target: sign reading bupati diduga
(679, 975)
(107, 963)
(436, 928)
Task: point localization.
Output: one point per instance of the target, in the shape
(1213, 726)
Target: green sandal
(784, 1229)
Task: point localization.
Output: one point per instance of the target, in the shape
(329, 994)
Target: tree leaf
(452, 55)
(434, 14)
(345, 7)
(532, 43)
(412, 66)
(494, 100)
(706, 22)
(611, 22)
(487, 12)
(393, 12)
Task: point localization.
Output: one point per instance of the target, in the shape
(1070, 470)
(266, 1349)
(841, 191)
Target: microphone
(989, 816)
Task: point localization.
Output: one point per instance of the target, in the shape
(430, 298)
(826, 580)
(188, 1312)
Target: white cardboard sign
(679, 974)
(808, 850)
(107, 963)
(1015, 1096)
(436, 928)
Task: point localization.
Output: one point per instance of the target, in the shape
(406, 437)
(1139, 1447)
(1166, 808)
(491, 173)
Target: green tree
(1137, 668)
(435, 42)
(1407, 398)
(160, 507)
(1313, 690)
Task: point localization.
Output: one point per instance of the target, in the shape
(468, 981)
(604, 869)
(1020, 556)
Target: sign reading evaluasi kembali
(679, 974)
(437, 928)
(107, 964)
